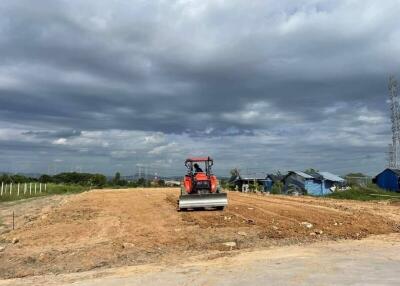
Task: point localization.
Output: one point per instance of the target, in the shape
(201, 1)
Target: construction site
(201, 143)
(101, 229)
(88, 237)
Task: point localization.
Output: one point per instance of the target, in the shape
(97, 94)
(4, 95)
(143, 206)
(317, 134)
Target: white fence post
(10, 189)
(25, 187)
(30, 188)
(18, 190)
(40, 187)
(2, 187)
(35, 188)
(45, 187)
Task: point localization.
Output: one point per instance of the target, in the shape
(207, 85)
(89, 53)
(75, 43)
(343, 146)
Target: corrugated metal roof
(302, 174)
(275, 178)
(316, 176)
(396, 171)
(253, 178)
(331, 177)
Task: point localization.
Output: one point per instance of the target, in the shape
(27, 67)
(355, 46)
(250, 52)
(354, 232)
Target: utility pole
(394, 147)
(145, 175)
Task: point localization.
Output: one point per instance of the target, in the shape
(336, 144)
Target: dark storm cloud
(197, 69)
(54, 134)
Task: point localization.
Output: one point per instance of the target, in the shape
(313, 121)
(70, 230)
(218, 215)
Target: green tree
(161, 183)
(231, 185)
(5, 179)
(45, 179)
(311, 171)
(80, 179)
(117, 178)
(99, 180)
(141, 182)
(277, 188)
(358, 175)
(234, 173)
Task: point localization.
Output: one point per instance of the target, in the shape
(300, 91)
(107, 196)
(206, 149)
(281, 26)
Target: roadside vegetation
(70, 183)
(369, 192)
(65, 183)
(84, 179)
(51, 189)
(118, 182)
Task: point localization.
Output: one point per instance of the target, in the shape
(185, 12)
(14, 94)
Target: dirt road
(113, 228)
(371, 261)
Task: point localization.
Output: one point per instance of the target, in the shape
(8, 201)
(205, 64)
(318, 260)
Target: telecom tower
(394, 147)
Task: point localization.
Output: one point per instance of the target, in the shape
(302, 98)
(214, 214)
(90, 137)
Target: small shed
(297, 182)
(244, 184)
(316, 184)
(388, 179)
(327, 181)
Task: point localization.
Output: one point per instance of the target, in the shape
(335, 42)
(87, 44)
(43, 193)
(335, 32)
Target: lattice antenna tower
(394, 147)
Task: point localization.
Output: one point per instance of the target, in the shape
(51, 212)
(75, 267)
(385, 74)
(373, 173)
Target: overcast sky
(105, 86)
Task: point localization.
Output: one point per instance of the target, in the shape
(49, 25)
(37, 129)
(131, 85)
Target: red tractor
(200, 187)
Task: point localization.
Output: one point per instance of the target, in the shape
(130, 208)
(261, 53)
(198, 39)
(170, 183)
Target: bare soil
(110, 228)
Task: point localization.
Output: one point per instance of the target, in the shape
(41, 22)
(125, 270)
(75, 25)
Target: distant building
(316, 184)
(298, 182)
(244, 184)
(172, 183)
(388, 179)
(329, 183)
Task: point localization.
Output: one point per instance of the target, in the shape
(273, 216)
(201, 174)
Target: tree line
(140, 182)
(83, 179)
(62, 178)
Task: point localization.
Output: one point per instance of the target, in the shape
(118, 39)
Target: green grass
(52, 189)
(368, 193)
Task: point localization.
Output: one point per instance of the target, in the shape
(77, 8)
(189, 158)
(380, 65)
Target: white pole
(25, 187)
(30, 188)
(2, 186)
(10, 189)
(35, 188)
(18, 190)
(45, 187)
(40, 187)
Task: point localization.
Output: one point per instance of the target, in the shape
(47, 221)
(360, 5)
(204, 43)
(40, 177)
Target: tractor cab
(199, 178)
(199, 166)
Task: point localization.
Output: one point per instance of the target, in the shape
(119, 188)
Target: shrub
(277, 188)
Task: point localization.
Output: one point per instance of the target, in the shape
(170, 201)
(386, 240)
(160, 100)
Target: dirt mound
(128, 227)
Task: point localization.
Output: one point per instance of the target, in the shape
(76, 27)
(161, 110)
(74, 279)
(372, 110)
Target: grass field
(368, 193)
(51, 189)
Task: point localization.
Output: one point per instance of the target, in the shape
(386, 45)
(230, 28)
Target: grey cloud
(200, 71)
(54, 134)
